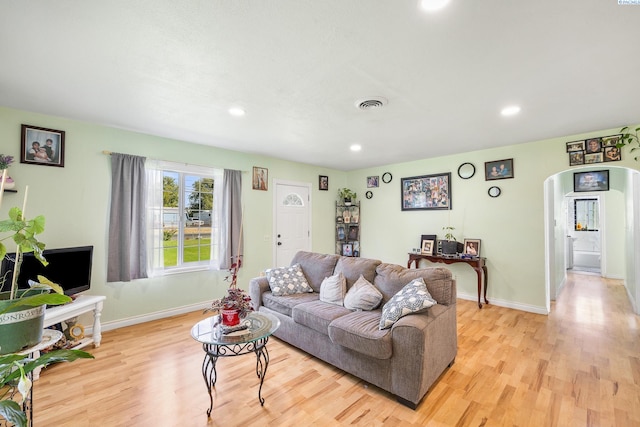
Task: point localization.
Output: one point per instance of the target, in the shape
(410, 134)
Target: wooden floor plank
(578, 366)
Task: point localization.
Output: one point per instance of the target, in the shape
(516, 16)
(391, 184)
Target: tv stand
(82, 304)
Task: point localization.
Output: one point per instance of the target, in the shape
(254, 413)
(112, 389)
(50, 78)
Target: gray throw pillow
(333, 289)
(287, 280)
(362, 296)
(412, 298)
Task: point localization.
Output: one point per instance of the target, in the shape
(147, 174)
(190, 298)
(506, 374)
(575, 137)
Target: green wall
(75, 201)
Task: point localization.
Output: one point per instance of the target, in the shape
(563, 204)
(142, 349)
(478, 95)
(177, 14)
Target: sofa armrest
(258, 286)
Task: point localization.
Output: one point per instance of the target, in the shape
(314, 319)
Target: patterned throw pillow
(333, 288)
(287, 281)
(412, 298)
(362, 296)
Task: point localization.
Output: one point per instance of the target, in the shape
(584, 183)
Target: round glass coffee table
(216, 344)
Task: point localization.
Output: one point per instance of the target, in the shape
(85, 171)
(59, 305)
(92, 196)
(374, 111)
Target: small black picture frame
(591, 181)
(323, 183)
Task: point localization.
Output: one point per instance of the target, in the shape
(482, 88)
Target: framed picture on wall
(426, 192)
(498, 169)
(42, 146)
(591, 181)
(323, 182)
(260, 178)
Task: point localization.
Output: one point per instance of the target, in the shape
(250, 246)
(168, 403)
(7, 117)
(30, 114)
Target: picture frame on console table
(471, 247)
(426, 192)
(42, 146)
(427, 247)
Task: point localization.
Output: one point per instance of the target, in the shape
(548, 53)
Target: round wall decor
(368, 194)
(494, 191)
(387, 177)
(466, 170)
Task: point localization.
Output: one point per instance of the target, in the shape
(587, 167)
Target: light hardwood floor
(579, 366)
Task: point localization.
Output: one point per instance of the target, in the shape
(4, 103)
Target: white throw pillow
(412, 298)
(333, 289)
(362, 296)
(287, 280)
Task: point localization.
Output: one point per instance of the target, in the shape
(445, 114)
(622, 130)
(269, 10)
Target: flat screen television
(68, 267)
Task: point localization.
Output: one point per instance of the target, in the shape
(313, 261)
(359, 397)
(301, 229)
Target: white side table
(82, 304)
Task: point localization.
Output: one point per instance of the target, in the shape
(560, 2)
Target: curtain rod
(107, 152)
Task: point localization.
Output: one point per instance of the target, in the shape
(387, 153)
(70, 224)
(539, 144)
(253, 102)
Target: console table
(478, 264)
(82, 304)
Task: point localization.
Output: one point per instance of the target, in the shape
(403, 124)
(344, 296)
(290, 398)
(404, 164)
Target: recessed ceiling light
(511, 110)
(433, 5)
(355, 147)
(236, 111)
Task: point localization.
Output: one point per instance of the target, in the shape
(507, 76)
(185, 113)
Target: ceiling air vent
(371, 103)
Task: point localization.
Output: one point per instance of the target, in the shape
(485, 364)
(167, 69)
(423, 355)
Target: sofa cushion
(390, 278)
(317, 315)
(414, 297)
(333, 289)
(353, 267)
(315, 266)
(284, 304)
(287, 280)
(362, 296)
(359, 331)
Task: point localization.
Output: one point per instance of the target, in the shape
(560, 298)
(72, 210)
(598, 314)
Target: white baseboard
(121, 323)
(507, 304)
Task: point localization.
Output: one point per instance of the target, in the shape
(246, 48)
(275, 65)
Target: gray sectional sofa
(405, 359)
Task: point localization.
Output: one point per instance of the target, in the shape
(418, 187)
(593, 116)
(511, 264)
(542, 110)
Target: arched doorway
(621, 221)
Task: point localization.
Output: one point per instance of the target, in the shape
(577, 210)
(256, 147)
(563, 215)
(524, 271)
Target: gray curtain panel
(127, 258)
(231, 221)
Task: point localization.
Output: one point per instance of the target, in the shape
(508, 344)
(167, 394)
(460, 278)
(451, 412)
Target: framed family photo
(426, 192)
(498, 169)
(373, 181)
(42, 146)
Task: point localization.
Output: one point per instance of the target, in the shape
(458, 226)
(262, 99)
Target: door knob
(279, 243)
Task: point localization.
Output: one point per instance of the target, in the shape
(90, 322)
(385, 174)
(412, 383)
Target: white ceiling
(174, 67)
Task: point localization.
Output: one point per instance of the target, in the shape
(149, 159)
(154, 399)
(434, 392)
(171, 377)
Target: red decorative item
(230, 316)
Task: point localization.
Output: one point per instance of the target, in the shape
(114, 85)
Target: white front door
(292, 230)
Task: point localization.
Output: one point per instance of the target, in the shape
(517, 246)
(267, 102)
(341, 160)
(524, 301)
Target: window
(183, 226)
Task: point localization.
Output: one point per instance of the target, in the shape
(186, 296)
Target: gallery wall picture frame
(591, 181)
(323, 182)
(42, 146)
(595, 150)
(260, 178)
(498, 169)
(426, 192)
(427, 247)
(373, 181)
(387, 177)
(471, 247)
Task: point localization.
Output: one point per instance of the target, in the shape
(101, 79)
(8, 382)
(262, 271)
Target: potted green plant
(236, 304)
(347, 196)
(629, 137)
(450, 244)
(14, 379)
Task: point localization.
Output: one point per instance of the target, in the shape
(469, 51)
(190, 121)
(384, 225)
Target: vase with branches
(236, 304)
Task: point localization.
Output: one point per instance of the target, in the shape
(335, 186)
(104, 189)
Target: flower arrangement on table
(237, 302)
